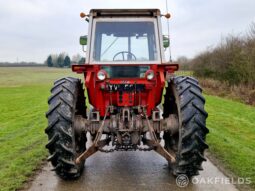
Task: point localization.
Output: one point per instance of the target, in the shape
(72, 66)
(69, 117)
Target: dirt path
(129, 171)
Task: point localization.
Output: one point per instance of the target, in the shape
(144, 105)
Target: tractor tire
(66, 101)
(184, 98)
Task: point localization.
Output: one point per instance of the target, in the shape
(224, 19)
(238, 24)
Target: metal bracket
(95, 116)
(155, 115)
(156, 144)
(98, 143)
(125, 114)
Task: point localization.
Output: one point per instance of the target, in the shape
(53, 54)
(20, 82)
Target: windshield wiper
(106, 50)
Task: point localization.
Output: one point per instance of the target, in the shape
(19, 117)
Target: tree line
(63, 60)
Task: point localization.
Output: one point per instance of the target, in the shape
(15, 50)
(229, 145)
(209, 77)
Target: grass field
(232, 135)
(23, 102)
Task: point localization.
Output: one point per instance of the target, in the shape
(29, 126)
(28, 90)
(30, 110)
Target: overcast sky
(32, 29)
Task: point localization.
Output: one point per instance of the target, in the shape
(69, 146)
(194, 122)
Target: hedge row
(233, 60)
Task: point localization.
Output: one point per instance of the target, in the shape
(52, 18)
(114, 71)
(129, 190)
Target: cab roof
(125, 12)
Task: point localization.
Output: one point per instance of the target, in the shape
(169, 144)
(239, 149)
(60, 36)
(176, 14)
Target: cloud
(32, 29)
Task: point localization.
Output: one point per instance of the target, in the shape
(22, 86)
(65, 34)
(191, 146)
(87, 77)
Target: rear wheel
(66, 101)
(184, 98)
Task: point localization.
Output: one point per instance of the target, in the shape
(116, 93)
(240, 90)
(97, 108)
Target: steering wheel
(129, 55)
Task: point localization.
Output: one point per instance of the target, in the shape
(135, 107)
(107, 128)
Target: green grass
(232, 135)
(23, 103)
(184, 73)
(25, 76)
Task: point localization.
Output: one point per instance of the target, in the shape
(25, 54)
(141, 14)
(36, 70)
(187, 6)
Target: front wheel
(184, 98)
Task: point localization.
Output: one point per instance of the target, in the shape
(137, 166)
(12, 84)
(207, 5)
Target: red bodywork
(101, 93)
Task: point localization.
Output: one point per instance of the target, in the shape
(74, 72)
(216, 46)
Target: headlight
(150, 75)
(101, 75)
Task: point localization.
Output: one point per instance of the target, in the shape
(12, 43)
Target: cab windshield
(125, 41)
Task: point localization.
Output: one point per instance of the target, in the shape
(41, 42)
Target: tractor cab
(124, 58)
(124, 37)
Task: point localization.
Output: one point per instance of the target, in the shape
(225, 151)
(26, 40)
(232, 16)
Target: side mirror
(166, 41)
(83, 40)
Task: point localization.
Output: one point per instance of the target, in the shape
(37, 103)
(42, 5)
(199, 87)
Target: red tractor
(126, 76)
